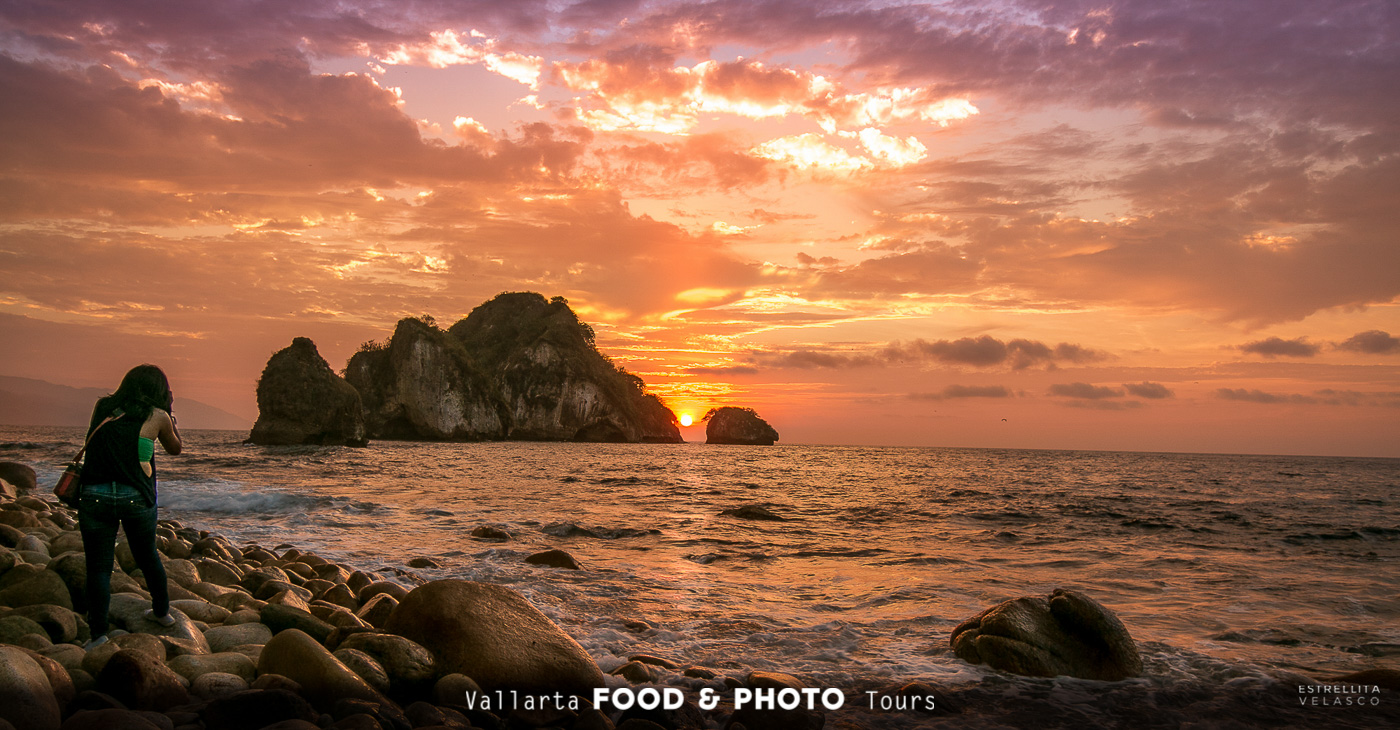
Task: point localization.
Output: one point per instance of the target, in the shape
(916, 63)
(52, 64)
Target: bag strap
(115, 415)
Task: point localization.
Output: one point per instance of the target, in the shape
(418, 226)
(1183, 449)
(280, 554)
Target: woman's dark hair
(145, 387)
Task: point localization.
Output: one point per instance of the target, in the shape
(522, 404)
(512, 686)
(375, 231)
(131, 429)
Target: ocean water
(1238, 575)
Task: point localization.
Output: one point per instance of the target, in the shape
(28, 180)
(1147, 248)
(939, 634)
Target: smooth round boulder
(409, 667)
(453, 689)
(1069, 634)
(200, 610)
(60, 623)
(364, 665)
(256, 708)
(377, 610)
(224, 638)
(35, 587)
(28, 699)
(141, 682)
(129, 611)
(21, 476)
(383, 586)
(323, 678)
(210, 685)
(13, 628)
(192, 666)
(493, 635)
(110, 719)
(281, 618)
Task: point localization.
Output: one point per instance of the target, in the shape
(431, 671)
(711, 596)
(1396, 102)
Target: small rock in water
(753, 512)
(554, 559)
(1387, 679)
(488, 532)
(423, 563)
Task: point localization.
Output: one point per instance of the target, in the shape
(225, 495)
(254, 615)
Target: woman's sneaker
(166, 620)
(93, 644)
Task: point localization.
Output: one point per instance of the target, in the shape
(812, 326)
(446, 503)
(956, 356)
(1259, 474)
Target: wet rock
(493, 635)
(637, 673)
(281, 618)
(487, 532)
(753, 512)
(655, 661)
(409, 667)
(385, 587)
(20, 476)
(423, 563)
(731, 425)
(141, 682)
(29, 701)
(302, 401)
(774, 680)
(1068, 634)
(323, 678)
(377, 610)
(364, 665)
(555, 559)
(1387, 679)
(255, 709)
(341, 595)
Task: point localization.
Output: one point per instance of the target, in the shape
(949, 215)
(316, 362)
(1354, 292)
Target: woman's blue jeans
(101, 509)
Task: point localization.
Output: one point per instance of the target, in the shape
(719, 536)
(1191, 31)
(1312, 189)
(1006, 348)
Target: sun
(686, 420)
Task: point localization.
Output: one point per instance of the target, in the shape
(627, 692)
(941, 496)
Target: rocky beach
(278, 637)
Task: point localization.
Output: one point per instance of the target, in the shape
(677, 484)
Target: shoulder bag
(70, 483)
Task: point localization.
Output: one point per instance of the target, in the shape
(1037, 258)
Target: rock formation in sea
(518, 367)
(1067, 634)
(302, 401)
(731, 425)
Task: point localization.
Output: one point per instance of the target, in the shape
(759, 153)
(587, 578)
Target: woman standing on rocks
(119, 489)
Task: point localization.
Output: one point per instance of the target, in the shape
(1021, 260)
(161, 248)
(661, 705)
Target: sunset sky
(1152, 225)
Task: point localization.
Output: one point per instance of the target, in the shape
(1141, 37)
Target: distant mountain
(30, 402)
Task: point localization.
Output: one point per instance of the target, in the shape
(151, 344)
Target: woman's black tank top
(111, 457)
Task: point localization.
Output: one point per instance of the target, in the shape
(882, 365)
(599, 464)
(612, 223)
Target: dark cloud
(1084, 391)
(965, 391)
(1326, 397)
(983, 351)
(727, 370)
(1148, 390)
(1259, 396)
(1371, 342)
(1276, 347)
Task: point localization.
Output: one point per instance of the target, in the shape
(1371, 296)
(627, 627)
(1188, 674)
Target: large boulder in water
(1068, 634)
(21, 476)
(731, 425)
(518, 367)
(302, 401)
(493, 635)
